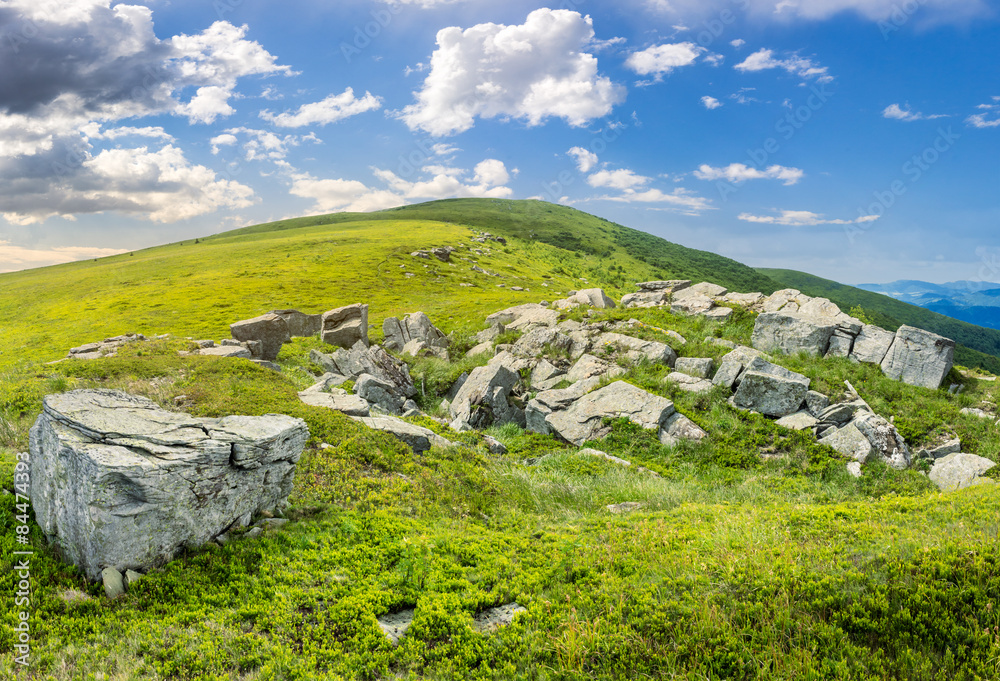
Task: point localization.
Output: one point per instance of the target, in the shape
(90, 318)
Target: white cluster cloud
(259, 144)
(661, 60)
(585, 159)
(161, 185)
(763, 59)
(13, 257)
(980, 120)
(633, 188)
(896, 112)
(89, 64)
(488, 180)
(330, 110)
(531, 72)
(739, 173)
(710, 102)
(617, 179)
(802, 218)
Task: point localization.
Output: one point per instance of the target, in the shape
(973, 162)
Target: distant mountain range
(976, 302)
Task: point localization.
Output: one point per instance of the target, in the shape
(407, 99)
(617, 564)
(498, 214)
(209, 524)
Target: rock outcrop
(300, 324)
(116, 481)
(958, 471)
(416, 327)
(583, 419)
(346, 326)
(482, 400)
(770, 389)
(269, 330)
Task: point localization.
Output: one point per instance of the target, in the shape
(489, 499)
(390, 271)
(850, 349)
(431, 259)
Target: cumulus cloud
(896, 112)
(330, 110)
(488, 180)
(13, 258)
(585, 159)
(739, 173)
(617, 179)
(531, 72)
(764, 59)
(661, 60)
(260, 145)
(738, 43)
(162, 186)
(89, 65)
(710, 102)
(802, 218)
(982, 119)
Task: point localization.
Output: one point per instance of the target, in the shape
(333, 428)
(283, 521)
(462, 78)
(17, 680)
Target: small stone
(854, 468)
(395, 625)
(131, 577)
(624, 507)
(114, 586)
(491, 619)
(254, 532)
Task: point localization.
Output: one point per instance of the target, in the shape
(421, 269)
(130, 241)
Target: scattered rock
(950, 447)
(413, 327)
(592, 297)
(800, 420)
(546, 375)
(549, 401)
(483, 348)
(227, 351)
(679, 427)
(494, 446)
(884, 438)
(131, 577)
(379, 393)
(635, 349)
(872, 344)
(919, 357)
(816, 402)
(116, 480)
(583, 420)
(973, 411)
(418, 438)
(300, 324)
(699, 367)
(665, 286)
(373, 360)
(770, 390)
(854, 468)
(269, 330)
(850, 442)
(689, 383)
(338, 400)
(791, 333)
(598, 454)
(482, 400)
(113, 584)
(958, 471)
(346, 326)
(589, 366)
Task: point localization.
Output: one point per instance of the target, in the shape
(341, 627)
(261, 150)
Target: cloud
(680, 200)
(585, 159)
(88, 65)
(802, 218)
(738, 43)
(980, 120)
(785, 11)
(161, 186)
(330, 110)
(763, 59)
(710, 102)
(13, 258)
(530, 72)
(617, 179)
(661, 60)
(898, 113)
(261, 145)
(739, 173)
(488, 180)
(224, 140)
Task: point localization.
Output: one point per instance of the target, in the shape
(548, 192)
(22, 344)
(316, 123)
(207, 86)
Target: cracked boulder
(584, 419)
(346, 326)
(919, 357)
(482, 400)
(269, 330)
(117, 481)
(413, 327)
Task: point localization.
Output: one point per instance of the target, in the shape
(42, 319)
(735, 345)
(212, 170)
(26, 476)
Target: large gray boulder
(300, 324)
(790, 333)
(117, 481)
(537, 341)
(338, 400)
(412, 327)
(958, 471)
(591, 297)
(668, 287)
(919, 357)
(346, 326)
(679, 427)
(269, 330)
(770, 389)
(379, 393)
(583, 420)
(646, 299)
(872, 344)
(482, 400)
(850, 442)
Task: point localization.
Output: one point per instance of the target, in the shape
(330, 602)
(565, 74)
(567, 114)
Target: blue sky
(853, 139)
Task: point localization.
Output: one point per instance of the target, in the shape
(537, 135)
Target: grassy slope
(737, 566)
(978, 346)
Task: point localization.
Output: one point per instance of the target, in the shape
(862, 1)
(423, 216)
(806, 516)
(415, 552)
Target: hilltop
(752, 552)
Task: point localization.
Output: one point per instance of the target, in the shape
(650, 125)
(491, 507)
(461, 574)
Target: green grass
(755, 554)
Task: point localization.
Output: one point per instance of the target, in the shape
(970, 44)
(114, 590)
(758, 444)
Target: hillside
(977, 345)
(751, 553)
(976, 302)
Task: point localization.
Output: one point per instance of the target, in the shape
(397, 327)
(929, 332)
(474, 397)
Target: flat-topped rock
(958, 471)
(668, 286)
(583, 420)
(300, 324)
(412, 327)
(269, 330)
(117, 481)
(346, 326)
